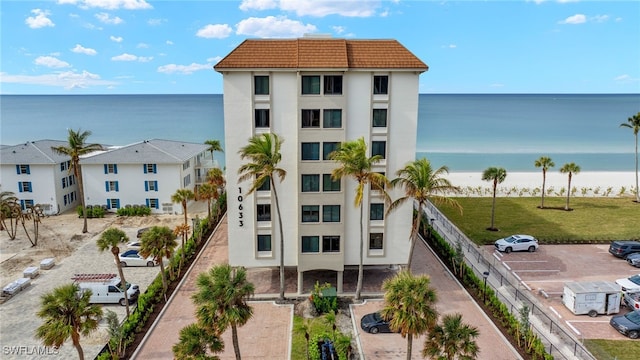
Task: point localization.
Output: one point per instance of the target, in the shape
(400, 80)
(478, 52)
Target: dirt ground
(59, 236)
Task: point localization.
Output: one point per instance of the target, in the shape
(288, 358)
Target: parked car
(142, 231)
(374, 323)
(627, 324)
(622, 248)
(632, 300)
(134, 245)
(517, 243)
(634, 259)
(631, 284)
(133, 258)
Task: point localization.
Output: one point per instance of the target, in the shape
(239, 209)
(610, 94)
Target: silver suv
(517, 243)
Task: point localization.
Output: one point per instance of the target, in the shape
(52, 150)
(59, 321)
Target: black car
(628, 324)
(374, 323)
(622, 248)
(142, 231)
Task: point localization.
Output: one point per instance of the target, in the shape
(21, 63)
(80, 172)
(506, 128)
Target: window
(23, 169)
(375, 188)
(151, 185)
(186, 165)
(380, 84)
(311, 85)
(375, 241)
(332, 118)
(379, 118)
(329, 184)
(150, 168)
(72, 179)
(311, 118)
(261, 85)
(333, 84)
(65, 165)
(376, 212)
(27, 203)
(264, 212)
(311, 213)
(186, 181)
(264, 242)
(311, 183)
(262, 118)
(266, 185)
(311, 151)
(64, 182)
(153, 203)
(378, 148)
(328, 148)
(330, 243)
(111, 186)
(331, 213)
(24, 186)
(110, 168)
(310, 244)
(113, 203)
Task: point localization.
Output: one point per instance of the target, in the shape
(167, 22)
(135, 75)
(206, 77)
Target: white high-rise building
(316, 92)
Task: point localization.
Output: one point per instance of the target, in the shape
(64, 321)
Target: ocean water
(465, 132)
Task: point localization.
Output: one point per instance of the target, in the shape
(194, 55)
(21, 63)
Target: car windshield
(510, 239)
(634, 317)
(120, 287)
(377, 317)
(635, 279)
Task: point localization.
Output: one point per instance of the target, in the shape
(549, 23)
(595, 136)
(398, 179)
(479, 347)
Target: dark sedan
(374, 323)
(628, 324)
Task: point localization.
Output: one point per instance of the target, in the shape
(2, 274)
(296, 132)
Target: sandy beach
(591, 183)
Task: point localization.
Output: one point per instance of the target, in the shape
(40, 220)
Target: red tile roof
(320, 53)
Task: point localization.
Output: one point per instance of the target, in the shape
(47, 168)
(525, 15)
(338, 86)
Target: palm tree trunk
(234, 337)
(568, 193)
(414, 235)
(78, 172)
(122, 280)
(361, 265)
(544, 180)
(75, 339)
(493, 205)
(409, 345)
(164, 279)
(275, 195)
(637, 188)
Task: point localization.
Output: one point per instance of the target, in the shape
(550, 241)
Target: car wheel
(150, 264)
(123, 264)
(634, 334)
(508, 250)
(532, 248)
(374, 330)
(123, 302)
(593, 313)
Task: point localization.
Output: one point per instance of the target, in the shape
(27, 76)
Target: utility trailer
(592, 297)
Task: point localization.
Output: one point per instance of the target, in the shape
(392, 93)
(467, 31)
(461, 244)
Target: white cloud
(50, 61)
(156, 22)
(338, 29)
(183, 69)
(83, 50)
(129, 57)
(600, 18)
(320, 8)
(575, 19)
(218, 31)
(67, 80)
(214, 60)
(624, 77)
(142, 46)
(115, 38)
(169, 42)
(450, 46)
(271, 26)
(107, 19)
(258, 5)
(39, 20)
(109, 4)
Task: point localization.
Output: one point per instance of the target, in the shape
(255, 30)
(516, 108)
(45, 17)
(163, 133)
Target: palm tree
(207, 192)
(409, 305)
(304, 327)
(497, 176)
(182, 197)
(214, 145)
(67, 313)
(452, 340)
(216, 178)
(221, 301)
(353, 162)
(159, 242)
(545, 163)
(194, 343)
(77, 147)
(570, 169)
(634, 124)
(110, 239)
(421, 183)
(8, 210)
(263, 152)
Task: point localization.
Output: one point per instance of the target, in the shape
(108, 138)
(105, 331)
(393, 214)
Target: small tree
(159, 242)
(545, 163)
(110, 239)
(570, 169)
(452, 339)
(496, 175)
(633, 123)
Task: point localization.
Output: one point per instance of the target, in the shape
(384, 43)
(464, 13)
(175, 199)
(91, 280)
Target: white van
(106, 288)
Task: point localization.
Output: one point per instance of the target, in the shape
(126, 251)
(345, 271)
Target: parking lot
(546, 271)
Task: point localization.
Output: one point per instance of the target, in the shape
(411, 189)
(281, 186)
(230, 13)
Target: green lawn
(591, 218)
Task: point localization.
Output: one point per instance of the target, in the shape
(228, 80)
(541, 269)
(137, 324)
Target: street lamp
(485, 275)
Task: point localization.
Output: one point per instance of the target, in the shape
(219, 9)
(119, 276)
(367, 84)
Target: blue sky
(170, 47)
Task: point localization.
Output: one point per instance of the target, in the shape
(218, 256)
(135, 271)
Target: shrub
(322, 303)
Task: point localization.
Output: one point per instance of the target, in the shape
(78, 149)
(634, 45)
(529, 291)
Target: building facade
(316, 93)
